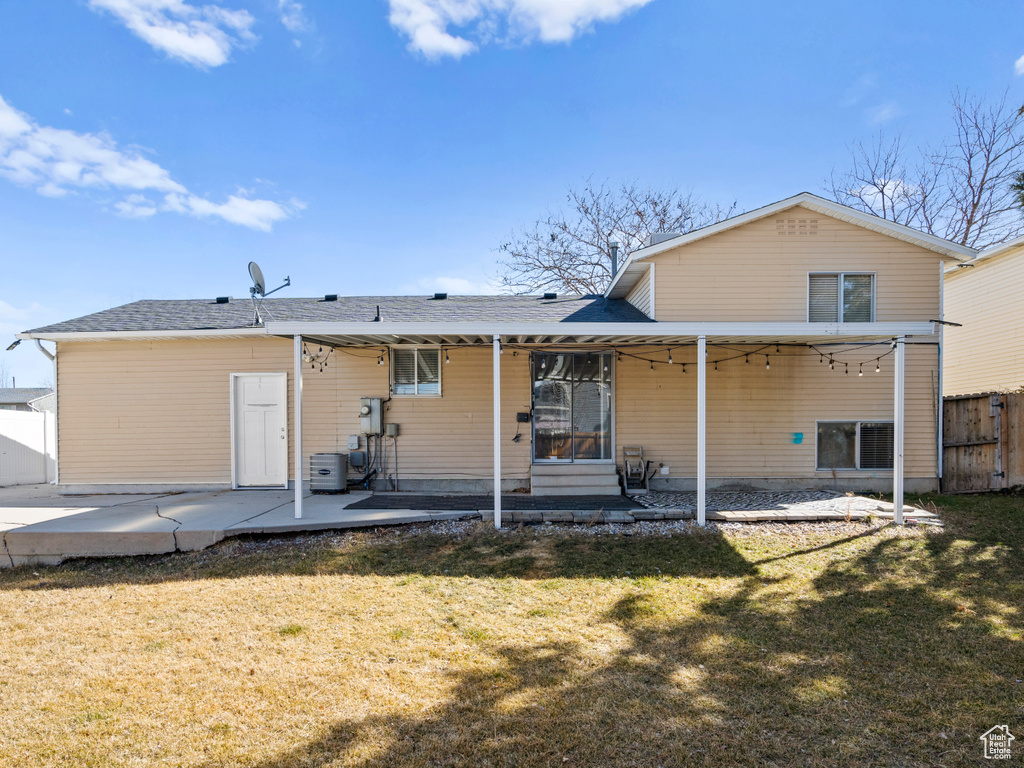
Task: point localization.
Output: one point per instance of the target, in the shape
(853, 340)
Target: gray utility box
(369, 415)
(328, 473)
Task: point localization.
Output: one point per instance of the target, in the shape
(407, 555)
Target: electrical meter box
(369, 415)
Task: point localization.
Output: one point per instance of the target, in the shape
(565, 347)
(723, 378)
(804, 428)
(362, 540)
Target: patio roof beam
(655, 332)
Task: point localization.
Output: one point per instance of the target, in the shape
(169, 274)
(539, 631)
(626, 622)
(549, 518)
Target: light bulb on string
(670, 358)
(861, 372)
(652, 365)
(543, 363)
(684, 367)
(447, 360)
(878, 367)
(831, 364)
(746, 359)
(716, 365)
(847, 371)
(767, 363)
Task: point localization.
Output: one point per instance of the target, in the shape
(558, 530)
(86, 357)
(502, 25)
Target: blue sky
(151, 148)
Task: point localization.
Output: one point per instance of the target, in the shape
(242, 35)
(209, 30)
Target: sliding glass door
(572, 406)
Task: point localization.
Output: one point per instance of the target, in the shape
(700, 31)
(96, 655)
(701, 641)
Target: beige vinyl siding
(642, 294)
(159, 411)
(753, 272)
(753, 413)
(987, 353)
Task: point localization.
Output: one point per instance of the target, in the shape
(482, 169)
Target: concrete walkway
(39, 526)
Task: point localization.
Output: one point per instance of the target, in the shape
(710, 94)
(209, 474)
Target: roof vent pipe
(614, 244)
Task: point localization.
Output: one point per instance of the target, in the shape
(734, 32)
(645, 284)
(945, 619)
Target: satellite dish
(259, 285)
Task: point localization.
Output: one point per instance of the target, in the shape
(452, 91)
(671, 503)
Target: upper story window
(841, 297)
(416, 371)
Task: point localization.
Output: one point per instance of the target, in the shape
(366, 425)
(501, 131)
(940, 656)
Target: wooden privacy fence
(982, 442)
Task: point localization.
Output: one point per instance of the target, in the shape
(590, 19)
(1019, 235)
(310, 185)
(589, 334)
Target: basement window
(841, 297)
(855, 445)
(416, 371)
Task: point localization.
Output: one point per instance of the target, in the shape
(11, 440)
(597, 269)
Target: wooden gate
(982, 442)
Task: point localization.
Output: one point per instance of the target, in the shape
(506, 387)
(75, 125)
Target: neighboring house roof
(1002, 249)
(631, 271)
(21, 395)
(208, 315)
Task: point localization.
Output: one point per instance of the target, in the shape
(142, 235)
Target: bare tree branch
(569, 250)
(963, 191)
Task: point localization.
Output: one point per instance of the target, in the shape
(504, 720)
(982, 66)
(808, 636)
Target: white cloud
(293, 16)
(1018, 67)
(135, 207)
(883, 113)
(255, 214)
(57, 161)
(427, 22)
(200, 35)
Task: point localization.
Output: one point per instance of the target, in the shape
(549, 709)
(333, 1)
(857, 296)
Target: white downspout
(497, 431)
(702, 479)
(56, 421)
(298, 427)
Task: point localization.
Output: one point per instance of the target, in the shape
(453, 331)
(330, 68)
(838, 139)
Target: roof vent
(331, 297)
(223, 299)
(550, 296)
(657, 238)
(440, 296)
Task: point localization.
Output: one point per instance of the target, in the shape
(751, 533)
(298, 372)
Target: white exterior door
(260, 426)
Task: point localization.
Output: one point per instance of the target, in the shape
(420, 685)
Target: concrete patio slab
(39, 525)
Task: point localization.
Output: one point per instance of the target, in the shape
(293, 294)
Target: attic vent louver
(550, 296)
(796, 226)
(440, 296)
(331, 297)
(223, 299)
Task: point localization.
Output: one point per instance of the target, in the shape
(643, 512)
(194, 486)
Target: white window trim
(856, 444)
(417, 348)
(839, 293)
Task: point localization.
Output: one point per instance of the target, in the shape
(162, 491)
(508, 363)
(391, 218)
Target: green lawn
(538, 646)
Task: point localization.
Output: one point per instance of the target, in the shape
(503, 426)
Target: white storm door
(260, 417)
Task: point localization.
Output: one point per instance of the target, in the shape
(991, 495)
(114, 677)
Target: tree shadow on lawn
(483, 553)
(876, 666)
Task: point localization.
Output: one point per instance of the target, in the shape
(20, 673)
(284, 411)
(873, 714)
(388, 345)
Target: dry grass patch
(758, 646)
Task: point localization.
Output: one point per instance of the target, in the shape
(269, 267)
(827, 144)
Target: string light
(543, 363)
(447, 361)
(746, 359)
(652, 365)
(767, 363)
(878, 367)
(716, 365)
(861, 372)
(670, 358)
(684, 367)
(831, 364)
(847, 371)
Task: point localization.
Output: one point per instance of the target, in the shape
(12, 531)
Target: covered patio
(763, 340)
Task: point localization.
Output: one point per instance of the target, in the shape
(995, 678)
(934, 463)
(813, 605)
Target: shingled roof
(21, 395)
(207, 314)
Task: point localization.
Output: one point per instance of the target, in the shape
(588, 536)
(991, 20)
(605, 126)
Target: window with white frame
(855, 445)
(841, 297)
(416, 371)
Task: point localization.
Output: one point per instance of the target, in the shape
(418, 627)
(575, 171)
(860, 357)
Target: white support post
(702, 479)
(497, 431)
(897, 463)
(298, 427)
